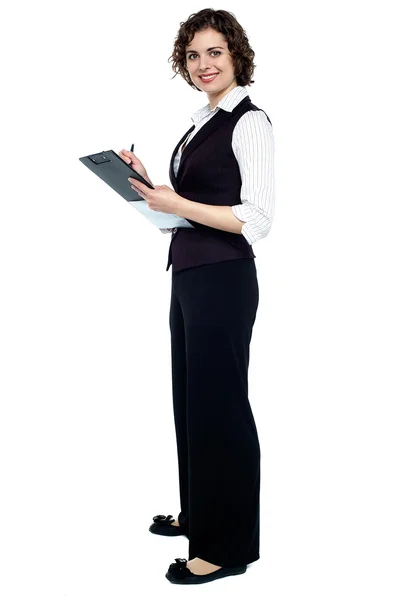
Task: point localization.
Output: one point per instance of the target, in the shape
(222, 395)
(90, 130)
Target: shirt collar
(228, 102)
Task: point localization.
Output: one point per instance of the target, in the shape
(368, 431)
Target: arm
(219, 217)
(253, 146)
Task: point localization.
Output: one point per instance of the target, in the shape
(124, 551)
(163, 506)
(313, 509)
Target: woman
(222, 175)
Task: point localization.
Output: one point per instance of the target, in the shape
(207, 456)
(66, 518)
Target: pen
(132, 148)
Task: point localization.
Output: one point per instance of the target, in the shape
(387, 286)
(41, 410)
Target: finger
(128, 153)
(125, 158)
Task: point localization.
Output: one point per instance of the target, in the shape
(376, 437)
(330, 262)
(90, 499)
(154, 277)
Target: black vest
(209, 173)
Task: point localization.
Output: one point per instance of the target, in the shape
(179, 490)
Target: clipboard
(114, 171)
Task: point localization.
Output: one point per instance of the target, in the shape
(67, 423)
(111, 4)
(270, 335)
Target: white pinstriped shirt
(253, 147)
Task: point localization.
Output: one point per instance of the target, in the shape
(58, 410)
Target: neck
(217, 96)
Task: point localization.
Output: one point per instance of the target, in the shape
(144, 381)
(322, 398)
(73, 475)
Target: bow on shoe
(162, 520)
(179, 568)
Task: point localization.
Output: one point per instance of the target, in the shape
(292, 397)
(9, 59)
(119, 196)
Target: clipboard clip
(99, 158)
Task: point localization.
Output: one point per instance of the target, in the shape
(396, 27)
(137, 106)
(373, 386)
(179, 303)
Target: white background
(88, 453)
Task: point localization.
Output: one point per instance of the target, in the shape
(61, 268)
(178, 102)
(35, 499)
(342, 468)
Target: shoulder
(252, 124)
(254, 119)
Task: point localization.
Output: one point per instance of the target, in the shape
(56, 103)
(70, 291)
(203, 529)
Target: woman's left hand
(162, 198)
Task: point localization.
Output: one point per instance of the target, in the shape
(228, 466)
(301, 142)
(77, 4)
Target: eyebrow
(189, 51)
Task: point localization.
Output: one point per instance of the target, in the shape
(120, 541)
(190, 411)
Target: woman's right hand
(131, 159)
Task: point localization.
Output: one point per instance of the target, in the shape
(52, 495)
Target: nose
(204, 63)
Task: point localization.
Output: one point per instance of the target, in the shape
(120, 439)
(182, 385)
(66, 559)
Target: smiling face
(208, 53)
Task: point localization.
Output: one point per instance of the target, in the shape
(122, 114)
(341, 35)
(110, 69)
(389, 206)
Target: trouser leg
(179, 380)
(219, 304)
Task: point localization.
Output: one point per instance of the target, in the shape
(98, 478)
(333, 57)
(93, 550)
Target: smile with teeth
(208, 78)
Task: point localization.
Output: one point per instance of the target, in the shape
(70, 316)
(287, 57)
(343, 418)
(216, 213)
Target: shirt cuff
(251, 230)
(243, 213)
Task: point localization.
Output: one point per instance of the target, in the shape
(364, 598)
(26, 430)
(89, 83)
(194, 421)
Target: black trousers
(212, 312)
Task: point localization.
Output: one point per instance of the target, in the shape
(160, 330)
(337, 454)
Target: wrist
(181, 204)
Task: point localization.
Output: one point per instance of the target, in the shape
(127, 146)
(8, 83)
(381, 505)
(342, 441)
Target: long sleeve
(253, 147)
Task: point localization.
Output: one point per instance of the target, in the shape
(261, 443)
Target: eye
(194, 53)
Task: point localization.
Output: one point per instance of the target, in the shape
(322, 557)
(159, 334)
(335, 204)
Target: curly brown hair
(225, 23)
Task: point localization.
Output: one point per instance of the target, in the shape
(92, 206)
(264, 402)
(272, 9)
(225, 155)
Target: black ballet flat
(163, 526)
(178, 572)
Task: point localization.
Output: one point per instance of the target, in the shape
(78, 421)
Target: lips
(208, 75)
